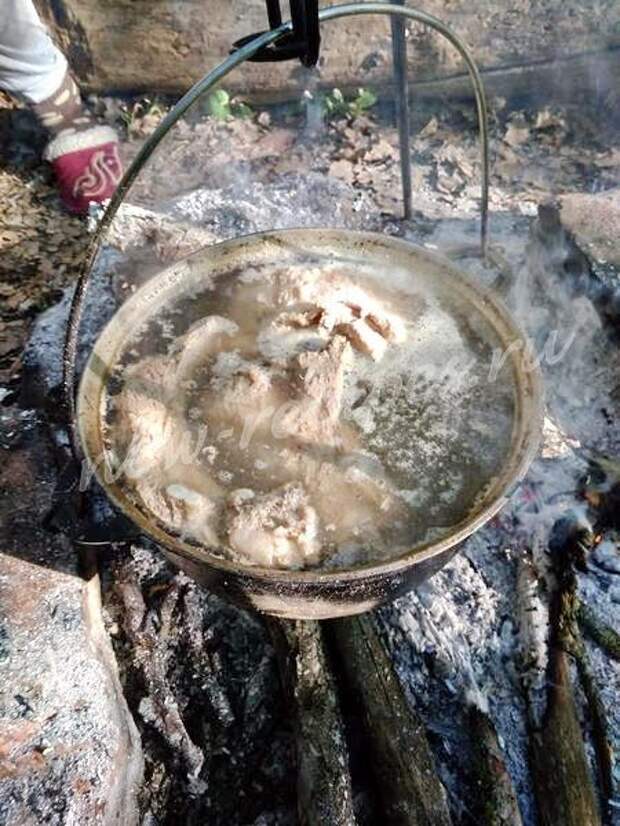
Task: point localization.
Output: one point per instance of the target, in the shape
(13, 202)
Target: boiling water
(422, 429)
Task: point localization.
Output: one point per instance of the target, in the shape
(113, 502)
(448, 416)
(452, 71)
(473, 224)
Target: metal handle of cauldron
(240, 55)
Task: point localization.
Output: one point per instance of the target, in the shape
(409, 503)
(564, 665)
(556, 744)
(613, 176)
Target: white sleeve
(31, 66)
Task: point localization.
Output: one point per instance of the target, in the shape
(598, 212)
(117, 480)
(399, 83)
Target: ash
(292, 201)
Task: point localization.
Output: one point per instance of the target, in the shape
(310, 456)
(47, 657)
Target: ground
(231, 170)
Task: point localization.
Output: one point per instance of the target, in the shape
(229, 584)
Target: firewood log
(562, 784)
(399, 754)
(563, 787)
(324, 793)
(497, 803)
(603, 635)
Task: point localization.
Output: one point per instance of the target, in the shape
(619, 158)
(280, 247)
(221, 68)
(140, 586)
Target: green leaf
(241, 110)
(335, 105)
(219, 104)
(365, 99)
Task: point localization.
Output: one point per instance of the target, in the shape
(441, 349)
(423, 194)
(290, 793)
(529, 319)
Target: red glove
(87, 166)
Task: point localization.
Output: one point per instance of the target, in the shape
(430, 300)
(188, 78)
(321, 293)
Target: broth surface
(314, 414)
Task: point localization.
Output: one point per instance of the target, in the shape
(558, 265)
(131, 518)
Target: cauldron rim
(524, 447)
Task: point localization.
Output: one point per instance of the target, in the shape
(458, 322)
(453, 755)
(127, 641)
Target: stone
(594, 221)
(69, 749)
(168, 46)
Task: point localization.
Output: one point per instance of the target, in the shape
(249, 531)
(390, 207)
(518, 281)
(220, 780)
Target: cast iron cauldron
(317, 594)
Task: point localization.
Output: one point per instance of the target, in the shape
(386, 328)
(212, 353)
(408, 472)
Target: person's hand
(87, 166)
(83, 153)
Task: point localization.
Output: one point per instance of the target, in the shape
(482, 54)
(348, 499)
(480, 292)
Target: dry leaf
(547, 119)
(516, 134)
(430, 129)
(343, 170)
(380, 151)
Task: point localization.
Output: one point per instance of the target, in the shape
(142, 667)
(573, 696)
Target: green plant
(336, 105)
(133, 115)
(221, 106)
(364, 100)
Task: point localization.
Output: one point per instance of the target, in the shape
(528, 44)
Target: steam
(578, 364)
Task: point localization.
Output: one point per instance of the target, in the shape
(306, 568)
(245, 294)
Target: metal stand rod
(399, 59)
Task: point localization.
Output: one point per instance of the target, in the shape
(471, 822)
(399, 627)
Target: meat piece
(388, 325)
(275, 530)
(313, 417)
(200, 513)
(290, 332)
(244, 402)
(364, 304)
(340, 305)
(353, 500)
(158, 450)
(203, 339)
(260, 404)
(335, 313)
(169, 510)
(184, 510)
(368, 327)
(369, 334)
(299, 317)
(323, 377)
(297, 285)
(364, 338)
(152, 436)
(145, 426)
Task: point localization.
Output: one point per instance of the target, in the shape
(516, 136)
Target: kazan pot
(322, 593)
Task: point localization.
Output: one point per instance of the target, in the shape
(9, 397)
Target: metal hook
(302, 42)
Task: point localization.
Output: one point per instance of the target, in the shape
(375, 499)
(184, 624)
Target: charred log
(498, 804)
(324, 793)
(399, 753)
(562, 783)
(564, 788)
(603, 635)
